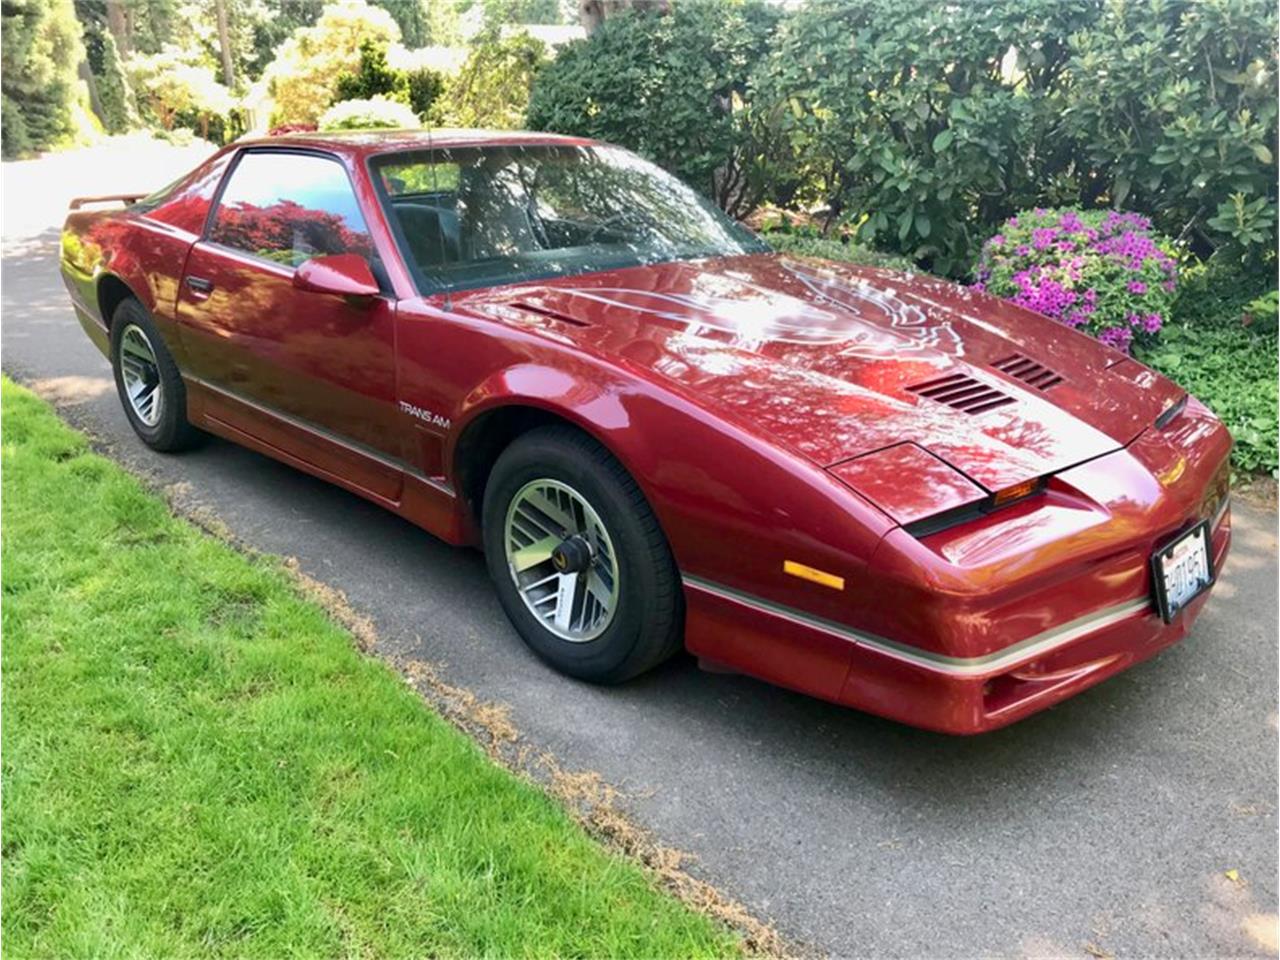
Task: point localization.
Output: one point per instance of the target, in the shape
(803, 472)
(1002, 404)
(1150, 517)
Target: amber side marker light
(1017, 492)
(813, 574)
(972, 511)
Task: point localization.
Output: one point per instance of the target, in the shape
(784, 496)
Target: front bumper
(948, 694)
(971, 629)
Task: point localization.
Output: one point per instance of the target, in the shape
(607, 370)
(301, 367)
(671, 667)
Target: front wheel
(579, 562)
(147, 378)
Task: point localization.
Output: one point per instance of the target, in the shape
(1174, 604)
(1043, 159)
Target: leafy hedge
(924, 125)
(830, 248)
(1221, 345)
(670, 87)
(1175, 103)
(1232, 369)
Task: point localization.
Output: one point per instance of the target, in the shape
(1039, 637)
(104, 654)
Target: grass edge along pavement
(198, 760)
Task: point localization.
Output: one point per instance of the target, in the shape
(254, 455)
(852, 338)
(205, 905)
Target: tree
(224, 43)
(304, 76)
(269, 23)
(373, 113)
(119, 107)
(498, 13)
(373, 77)
(118, 24)
(1175, 105)
(413, 84)
(173, 89)
(412, 18)
(592, 13)
(674, 88)
(40, 40)
(492, 88)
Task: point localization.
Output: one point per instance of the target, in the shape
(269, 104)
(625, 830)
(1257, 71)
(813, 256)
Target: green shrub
(303, 78)
(1233, 370)
(673, 88)
(1217, 291)
(40, 47)
(826, 248)
(375, 113)
(1174, 104)
(425, 88)
(419, 87)
(15, 139)
(1263, 313)
(923, 124)
(492, 88)
(373, 77)
(1107, 274)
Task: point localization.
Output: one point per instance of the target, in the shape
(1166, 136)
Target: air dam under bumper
(947, 694)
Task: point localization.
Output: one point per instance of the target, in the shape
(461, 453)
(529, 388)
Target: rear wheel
(578, 559)
(147, 379)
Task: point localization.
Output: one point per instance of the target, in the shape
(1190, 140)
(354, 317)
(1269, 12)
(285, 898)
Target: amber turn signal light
(813, 574)
(1017, 492)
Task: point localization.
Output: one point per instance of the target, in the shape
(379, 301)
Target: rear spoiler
(126, 198)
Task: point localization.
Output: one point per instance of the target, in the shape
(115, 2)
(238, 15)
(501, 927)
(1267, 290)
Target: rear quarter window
(185, 203)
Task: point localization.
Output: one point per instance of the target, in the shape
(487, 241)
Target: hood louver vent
(1028, 371)
(961, 392)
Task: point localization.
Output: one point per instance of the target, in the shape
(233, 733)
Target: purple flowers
(1042, 239)
(1118, 337)
(1103, 272)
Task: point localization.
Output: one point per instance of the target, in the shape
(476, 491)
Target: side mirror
(341, 274)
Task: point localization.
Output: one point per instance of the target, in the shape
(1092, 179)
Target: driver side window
(288, 208)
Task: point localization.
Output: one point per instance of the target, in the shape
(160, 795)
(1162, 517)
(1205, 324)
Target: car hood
(834, 362)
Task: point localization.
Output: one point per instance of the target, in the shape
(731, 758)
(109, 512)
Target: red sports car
(881, 489)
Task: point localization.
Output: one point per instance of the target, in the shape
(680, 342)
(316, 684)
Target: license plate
(1182, 571)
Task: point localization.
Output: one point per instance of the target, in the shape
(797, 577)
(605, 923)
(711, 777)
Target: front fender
(594, 406)
(734, 507)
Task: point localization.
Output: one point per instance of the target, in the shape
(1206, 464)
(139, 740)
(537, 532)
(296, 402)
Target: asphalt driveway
(1106, 825)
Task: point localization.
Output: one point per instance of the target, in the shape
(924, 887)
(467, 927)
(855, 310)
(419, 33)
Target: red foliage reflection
(287, 232)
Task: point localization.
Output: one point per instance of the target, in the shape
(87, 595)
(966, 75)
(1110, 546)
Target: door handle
(199, 285)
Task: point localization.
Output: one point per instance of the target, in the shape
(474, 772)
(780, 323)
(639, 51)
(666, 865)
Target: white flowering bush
(373, 114)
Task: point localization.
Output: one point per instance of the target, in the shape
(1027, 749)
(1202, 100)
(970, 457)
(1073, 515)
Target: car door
(312, 374)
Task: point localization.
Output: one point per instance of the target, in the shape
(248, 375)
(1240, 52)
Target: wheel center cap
(572, 555)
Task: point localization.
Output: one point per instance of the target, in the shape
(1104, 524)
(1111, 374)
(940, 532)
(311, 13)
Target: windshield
(489, 215)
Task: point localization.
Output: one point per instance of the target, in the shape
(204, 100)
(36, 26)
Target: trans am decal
(426, 416)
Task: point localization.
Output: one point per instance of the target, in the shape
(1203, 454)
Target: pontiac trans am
(878, 488)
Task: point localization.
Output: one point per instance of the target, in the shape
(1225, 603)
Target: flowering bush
(372, 114)
(1103, 272)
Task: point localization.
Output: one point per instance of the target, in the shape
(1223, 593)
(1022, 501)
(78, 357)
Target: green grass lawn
(197, 761)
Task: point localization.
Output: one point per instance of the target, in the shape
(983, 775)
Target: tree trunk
(224, 43)
(592, 13)
(118, 24)
(90, 81)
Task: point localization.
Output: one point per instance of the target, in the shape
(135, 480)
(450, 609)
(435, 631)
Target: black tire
(171, 431)
(648, 621)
